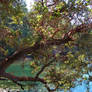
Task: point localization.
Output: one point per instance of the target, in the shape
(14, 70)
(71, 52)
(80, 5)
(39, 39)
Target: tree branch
(23, 78)
(43, 68)
(16, 80)
(19, 84)
(20, 54)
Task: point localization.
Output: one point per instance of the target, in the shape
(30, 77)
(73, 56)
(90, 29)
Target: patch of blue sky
(80, 88)
(90, 86)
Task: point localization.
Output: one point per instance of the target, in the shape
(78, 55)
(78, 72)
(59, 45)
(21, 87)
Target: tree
(56, 30)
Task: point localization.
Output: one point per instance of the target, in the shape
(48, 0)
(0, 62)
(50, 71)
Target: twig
(43, 68)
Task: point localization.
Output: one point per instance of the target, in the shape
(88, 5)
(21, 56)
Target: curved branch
(23, 78)
(16, 80)
(65, 38)
(19, 54)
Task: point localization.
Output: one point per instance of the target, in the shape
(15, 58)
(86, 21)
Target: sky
(29, 3)
(79, 88)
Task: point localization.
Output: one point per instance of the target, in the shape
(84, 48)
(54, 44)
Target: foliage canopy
(56, 36)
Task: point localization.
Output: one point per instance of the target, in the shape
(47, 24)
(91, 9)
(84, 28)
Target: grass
(18, 69)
